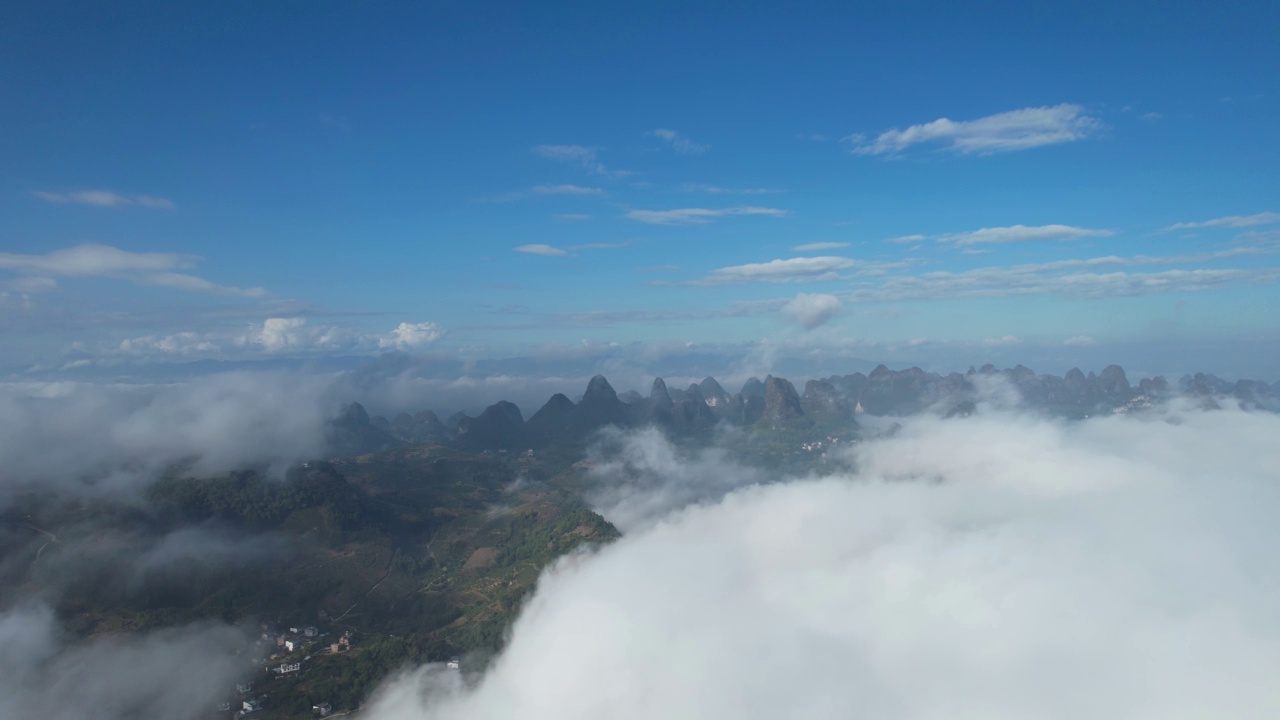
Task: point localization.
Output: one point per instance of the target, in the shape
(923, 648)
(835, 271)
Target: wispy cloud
(553, 251)
(105, 198)
(678, 142)
(582, 156)
(1019, 233)
(1079, 341)
(812, 310)
(817, 246)
(1230, 221)
(1022, 281)
(191, 283)
(541, 249)
(600, 246)
(800, 269)
(410, 336)
(907, 239)
(565, 190)
(1004, 132)
(337, 122)
(691, 216)
(717, 190)
(182, 343)
(146, 268)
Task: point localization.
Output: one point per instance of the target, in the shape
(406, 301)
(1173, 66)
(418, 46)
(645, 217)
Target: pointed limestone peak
(753, 388)
(599, 391)
(712, 389)
(1114, 381)
(659, 394)
(782, 402)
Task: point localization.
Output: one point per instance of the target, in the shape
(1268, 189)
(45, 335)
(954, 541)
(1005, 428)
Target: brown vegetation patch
(481, 558)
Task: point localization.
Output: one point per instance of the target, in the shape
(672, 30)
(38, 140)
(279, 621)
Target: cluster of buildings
(283, 646)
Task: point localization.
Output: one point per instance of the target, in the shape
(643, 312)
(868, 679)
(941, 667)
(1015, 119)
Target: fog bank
(1000, 566)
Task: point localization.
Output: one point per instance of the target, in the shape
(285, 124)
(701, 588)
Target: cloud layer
(171, 673)
(995, 567)
(144, 268)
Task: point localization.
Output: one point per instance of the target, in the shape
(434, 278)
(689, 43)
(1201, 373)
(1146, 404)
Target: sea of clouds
(999, 566)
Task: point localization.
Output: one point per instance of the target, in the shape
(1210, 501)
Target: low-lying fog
(1002, 565)
(999, 566)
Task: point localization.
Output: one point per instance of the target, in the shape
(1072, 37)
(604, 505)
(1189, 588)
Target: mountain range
(775, 403)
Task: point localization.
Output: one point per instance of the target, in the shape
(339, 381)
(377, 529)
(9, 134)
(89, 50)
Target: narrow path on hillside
(52, 539)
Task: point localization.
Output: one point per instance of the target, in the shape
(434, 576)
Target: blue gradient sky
(256, 181)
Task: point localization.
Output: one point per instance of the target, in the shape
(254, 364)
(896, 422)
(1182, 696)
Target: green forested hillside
(419, 553)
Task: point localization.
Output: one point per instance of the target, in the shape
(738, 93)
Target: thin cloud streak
(1021, 233)
(1230, 221)
(578, 155)
(697, 216)
(1004, 132)
(105, 199)
(818, 246)
(541, 249)
(565, 190)
(144, 268)
(678, 142)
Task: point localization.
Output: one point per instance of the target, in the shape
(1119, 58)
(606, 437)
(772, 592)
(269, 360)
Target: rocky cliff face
(781, 402)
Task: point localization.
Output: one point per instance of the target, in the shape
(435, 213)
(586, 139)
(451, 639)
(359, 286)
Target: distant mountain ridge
(774, 403)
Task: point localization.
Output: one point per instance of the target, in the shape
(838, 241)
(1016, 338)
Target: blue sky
(918, 183)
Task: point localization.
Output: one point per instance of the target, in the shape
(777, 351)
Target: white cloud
(163, 673)
(105, 198)
(800, 269)
(1021, 233)
(92, 260)
(1080, 341)
(565, 190)
(29, 285)
(183, 343)
(540, 249)
(294, 335)
(1004, 132)
(691, 216)
(1046, 279)
(145, 268)
(182, 281)
(600, 246)
(579, 155)
(408, 336)
(149, 201)
(907, 239)
(678, 142)
(813, 247)
(717, 190)
(280, 334)
(996, 567)
(1230, 221)
(810, 311)
(1005, 341)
